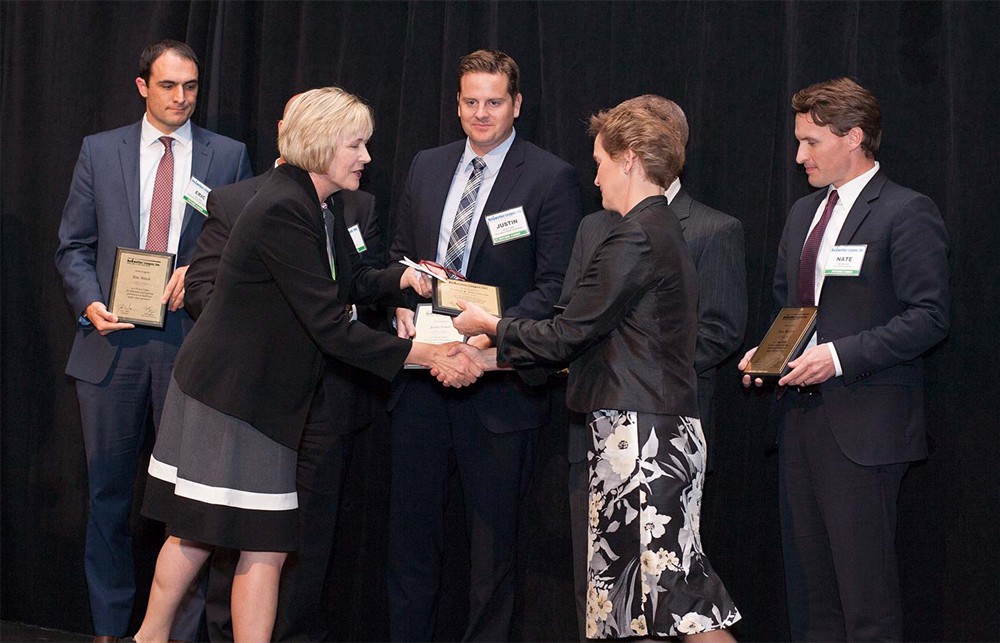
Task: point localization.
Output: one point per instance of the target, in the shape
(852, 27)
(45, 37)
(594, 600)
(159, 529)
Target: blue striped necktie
(466, 207)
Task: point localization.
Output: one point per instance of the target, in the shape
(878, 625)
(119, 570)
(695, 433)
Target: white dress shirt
(847, 194)
(494, 161)
(150, 153)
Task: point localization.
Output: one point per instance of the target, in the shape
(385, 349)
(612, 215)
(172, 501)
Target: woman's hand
(420, 283)
(474, 320)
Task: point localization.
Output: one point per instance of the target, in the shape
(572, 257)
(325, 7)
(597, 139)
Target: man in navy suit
(455, 197)
(873, 256)
(128, 190)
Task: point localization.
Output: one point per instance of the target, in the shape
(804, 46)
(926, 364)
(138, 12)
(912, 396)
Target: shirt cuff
(836, 359)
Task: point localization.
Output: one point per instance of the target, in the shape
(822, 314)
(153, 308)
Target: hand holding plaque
(783, 342)
(138, 282)
(474, 320)
(448, 292)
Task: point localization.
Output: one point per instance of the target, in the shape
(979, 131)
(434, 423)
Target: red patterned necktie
(807, 262)
(158, 231)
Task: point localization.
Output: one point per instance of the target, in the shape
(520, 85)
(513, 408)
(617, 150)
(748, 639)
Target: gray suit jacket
(715, 241)
(102, 213)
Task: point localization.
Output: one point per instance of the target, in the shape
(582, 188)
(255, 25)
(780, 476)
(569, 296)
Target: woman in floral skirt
(628, 334)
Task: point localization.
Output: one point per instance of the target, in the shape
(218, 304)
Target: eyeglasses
(451, 274)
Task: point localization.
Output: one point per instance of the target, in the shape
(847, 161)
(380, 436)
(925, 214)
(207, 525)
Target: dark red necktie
(162, 204)
(807, 262)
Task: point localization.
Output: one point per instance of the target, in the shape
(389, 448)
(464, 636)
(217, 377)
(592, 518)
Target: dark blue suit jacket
(529, 271)
(102, 213)
(880, 322)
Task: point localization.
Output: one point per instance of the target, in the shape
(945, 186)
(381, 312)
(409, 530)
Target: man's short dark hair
(491, 62)
(157, 49)
(843, 104)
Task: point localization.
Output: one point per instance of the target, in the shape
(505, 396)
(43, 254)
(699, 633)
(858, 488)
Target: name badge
(359, 241)
(196, 195)
(845, 261)
(508, 225)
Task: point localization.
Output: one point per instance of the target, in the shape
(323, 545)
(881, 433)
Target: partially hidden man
(127, 190)
(852, 416)
(488, 430)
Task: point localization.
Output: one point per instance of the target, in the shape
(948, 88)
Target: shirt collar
(849, 192)
(672, 190)
(493, 159)
(150, 135)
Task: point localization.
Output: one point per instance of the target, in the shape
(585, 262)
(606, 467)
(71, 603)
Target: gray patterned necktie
(466, 207)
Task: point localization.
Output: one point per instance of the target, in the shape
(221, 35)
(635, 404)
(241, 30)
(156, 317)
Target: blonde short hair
(654, 128)
(316, 121)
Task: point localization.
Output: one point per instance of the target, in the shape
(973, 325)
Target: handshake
(456, 364)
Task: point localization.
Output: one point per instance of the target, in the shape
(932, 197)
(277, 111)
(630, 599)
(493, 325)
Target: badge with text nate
(845, 261)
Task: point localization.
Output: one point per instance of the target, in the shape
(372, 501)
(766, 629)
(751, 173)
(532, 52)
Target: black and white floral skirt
(647, 573)
(217, 480)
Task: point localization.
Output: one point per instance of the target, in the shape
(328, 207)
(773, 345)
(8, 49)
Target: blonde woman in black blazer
(223, 468)
(628, 334)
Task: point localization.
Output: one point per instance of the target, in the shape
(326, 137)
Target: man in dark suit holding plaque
(341, 407)
(452, 202)
(134, 187)
(873, 256)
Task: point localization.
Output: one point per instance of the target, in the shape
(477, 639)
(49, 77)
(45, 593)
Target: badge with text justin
(845, 261)
(508, 225)
(196, 195)
(359, 241)
(137, 285)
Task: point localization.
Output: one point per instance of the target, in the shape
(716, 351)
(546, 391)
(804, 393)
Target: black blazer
(880, 322)
(529, 271)
(345, 388)
(257, 350)
(630, 325)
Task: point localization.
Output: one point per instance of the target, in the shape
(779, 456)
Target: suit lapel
(507, 178)
(427, 235)
(201, 161)
(128, 155)
(681, 205)
(861, 208)
(797, 239)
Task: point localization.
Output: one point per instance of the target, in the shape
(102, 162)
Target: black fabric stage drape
(68, 70)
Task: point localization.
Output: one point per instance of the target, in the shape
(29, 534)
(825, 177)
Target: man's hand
(103, 320)
(814, 366)
(456, 364)
(482, 342)
(474, 320)
(404, 323)
(743, 364)
(420, 282)
(174, 293)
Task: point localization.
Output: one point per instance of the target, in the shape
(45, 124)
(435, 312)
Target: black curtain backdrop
(68, 70)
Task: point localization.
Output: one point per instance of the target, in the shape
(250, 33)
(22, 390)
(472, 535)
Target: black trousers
(579, 512)
(433, 431)
(838, 532)
(322, 467)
